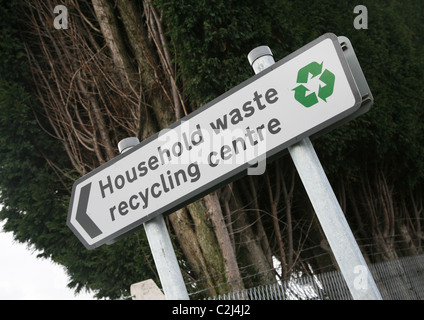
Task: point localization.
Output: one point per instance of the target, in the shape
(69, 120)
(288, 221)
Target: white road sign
(298, 96)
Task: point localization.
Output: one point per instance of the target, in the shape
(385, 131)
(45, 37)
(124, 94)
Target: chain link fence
(401, 279)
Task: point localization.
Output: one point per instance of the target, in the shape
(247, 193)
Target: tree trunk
(228, 252)
(248, 245)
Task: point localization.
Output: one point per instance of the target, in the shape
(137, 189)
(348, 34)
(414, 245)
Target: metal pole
(339, 235)
(160, 244)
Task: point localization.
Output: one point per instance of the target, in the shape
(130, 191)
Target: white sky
(23, 276)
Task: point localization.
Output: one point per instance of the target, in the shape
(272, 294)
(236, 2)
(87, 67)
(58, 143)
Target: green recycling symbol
(327, 77)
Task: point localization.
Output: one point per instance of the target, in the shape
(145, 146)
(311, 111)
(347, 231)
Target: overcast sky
(23, 276)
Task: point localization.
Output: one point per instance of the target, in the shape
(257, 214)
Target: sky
(23, 276)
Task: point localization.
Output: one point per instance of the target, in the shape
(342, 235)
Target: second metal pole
(330, 215)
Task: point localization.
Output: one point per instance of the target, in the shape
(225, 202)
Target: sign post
(161, 246)
(339, 235)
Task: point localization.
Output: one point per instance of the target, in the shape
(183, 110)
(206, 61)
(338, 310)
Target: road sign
(301, 95)
(322, 197)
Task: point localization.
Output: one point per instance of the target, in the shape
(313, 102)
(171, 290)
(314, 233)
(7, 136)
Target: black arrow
(82, 217)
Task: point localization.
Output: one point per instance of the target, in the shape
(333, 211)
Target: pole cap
(258, 52)
(127, 143)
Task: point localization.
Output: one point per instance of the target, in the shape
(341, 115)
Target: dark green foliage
(35, 194)
(391, 55)
(13, 58)
(213, 39)
(28, 184)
